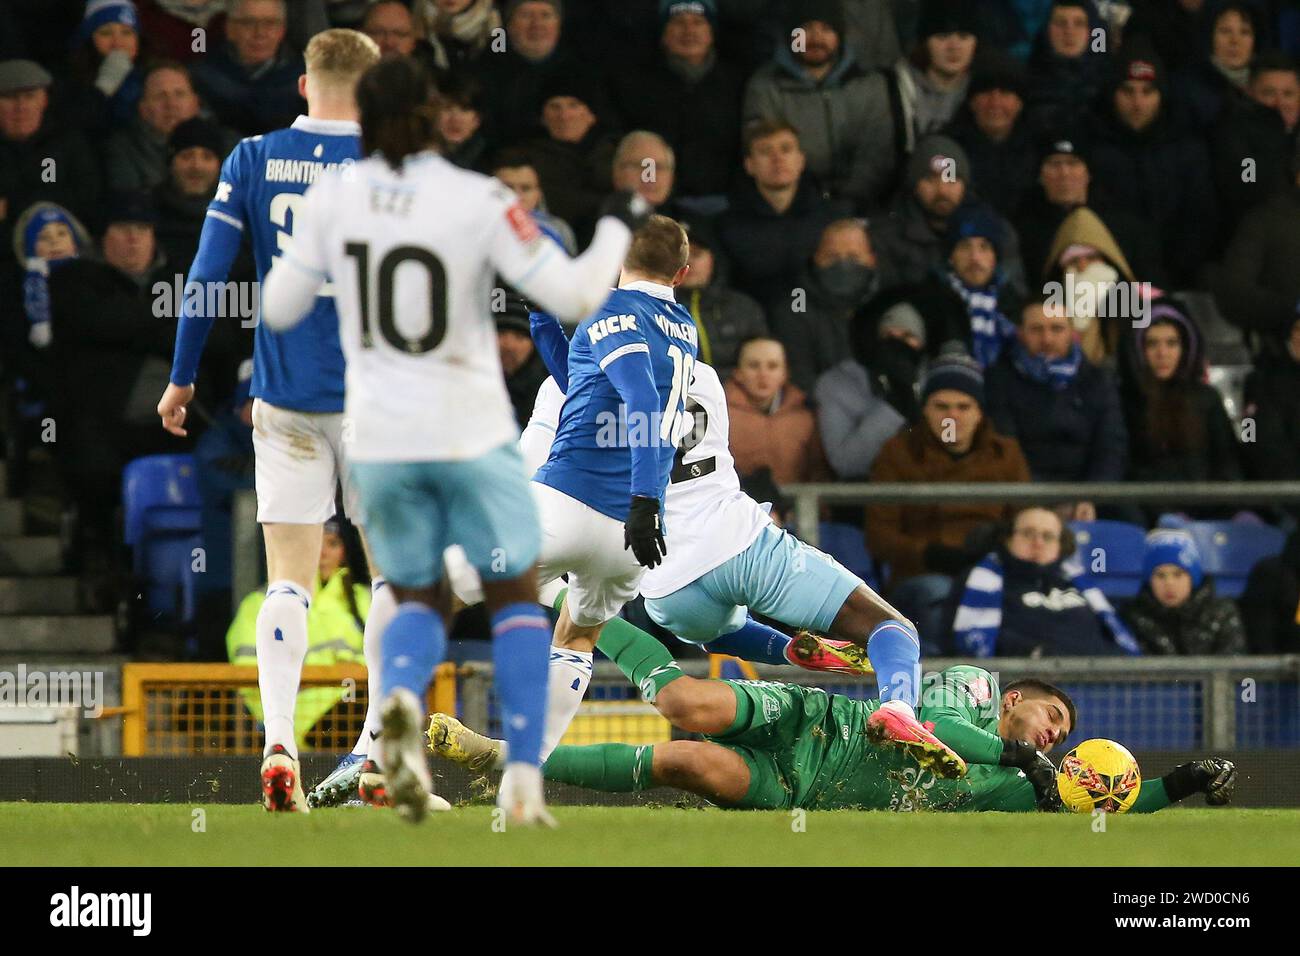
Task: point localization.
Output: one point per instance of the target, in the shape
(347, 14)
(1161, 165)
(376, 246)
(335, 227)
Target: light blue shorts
(777, 576)
(415, 510)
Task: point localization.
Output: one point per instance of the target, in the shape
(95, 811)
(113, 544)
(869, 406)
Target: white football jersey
(708, 519)
(412, 257)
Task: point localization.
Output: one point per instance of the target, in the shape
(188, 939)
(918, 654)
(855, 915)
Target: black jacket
(1273, 401)
(1250, 131)
(75, 185)
(1271, 602)
(1203, 624)
(1076, 434)
(1005, 172)
(767, 250)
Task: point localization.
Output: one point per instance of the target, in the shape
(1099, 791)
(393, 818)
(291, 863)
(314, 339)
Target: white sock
(383, 607)
(281, 649)
(901, 706)
(566, 684)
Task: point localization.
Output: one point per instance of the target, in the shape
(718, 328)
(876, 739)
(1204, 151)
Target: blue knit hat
(973, 220)
(42, 219)
(1172, 546)
(957, 372)
(101, 12)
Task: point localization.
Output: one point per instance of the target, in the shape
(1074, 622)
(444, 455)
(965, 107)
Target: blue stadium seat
(1118, 547)
(161, 519)
(1229, 549)
(846, 544)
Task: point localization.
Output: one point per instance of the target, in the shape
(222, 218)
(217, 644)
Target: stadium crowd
(878, 194)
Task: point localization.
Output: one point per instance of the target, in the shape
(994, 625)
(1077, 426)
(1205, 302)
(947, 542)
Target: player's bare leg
(292, 557)
(520, 794)
(701, 767)
(697, 706)
(894, 649)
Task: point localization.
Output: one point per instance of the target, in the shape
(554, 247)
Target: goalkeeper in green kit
(773, 746)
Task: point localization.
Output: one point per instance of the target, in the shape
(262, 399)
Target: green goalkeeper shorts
(785, 733)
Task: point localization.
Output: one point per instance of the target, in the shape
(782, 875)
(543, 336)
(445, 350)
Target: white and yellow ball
(1099, 774)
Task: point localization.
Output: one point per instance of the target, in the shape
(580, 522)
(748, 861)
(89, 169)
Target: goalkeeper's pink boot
(813, 652)
(887, 727)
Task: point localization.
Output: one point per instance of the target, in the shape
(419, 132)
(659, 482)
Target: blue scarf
(990, 330)
(1058, 373)
(979, 616)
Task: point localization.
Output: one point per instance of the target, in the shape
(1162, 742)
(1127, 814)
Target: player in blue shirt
(600, 493)
(297, 385)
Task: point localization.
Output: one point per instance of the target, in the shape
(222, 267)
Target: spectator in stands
(841, 278)
(170, 25)
(644, 163)
(1273, 404)
(574, 159)
(516, 170)
(994, 130)
(1177, 612)
(840, 111)
(395, 30)
(932, 82)
(516, 80)
(1252, 145)
(924, 544)
(1063, 410)
(771, 424)
(111, 352)
(912, 240)
(972, 274)
(195, 150)
(32, 142)
(864, 400)
(1028, 598)
(459, 31)
(336, 620)
(520, 361)
(691, 97)
(1257, 284)
(1149, 167)
(1067, 67)
(251, 80)
(137, 154)
(1177, 427)
(1270, 604)
(1204, 89)
(776, 216)
(725, 317)
(1064, 185)
(1095, 279)
(106, 78)
(460, 122)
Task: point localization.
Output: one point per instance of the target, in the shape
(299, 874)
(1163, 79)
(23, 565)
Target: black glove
(643, 533)
(1214, 777)
(944, 559)
(1038, 770)
(629, 208)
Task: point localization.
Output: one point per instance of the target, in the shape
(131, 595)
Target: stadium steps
(42, 608)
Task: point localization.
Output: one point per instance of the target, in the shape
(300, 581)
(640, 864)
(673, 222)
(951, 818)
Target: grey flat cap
(18, 75)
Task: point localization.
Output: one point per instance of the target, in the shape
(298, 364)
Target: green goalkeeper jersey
(806, 748)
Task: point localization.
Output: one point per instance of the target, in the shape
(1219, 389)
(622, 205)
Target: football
(1101, 775)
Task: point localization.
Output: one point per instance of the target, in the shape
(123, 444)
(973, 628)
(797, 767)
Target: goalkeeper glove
(643, 533)
(1038, 770)
(629, 208)
(1214, 777)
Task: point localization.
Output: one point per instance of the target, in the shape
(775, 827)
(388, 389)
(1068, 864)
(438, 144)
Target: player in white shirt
(412, 244)
(726, 557)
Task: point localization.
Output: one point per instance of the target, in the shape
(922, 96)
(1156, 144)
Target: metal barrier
(1165, 703)
(189, 709)
(808, 498)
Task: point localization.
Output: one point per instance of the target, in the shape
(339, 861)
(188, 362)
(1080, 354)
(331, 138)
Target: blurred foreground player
(297, 383)
(412, 244)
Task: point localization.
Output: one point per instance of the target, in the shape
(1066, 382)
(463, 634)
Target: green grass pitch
(164, 834)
